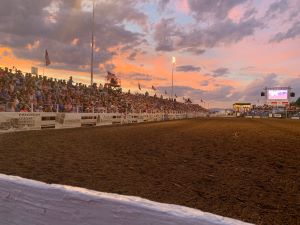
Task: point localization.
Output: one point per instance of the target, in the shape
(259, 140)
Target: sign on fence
(20, 121)
(48, 121)
(10, 121)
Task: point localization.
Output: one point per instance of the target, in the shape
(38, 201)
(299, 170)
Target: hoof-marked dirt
(239, 168)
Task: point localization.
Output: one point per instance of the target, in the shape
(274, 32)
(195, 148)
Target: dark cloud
(162, 4)
(252, 92)
(115, 12)
(294, 11)
(194, 50)
(217, 9)
(107, 67)
(277, 8)
(204, 83)
(56, 24)
(197, 94)
(188, 68)
(170, 36)
(249, 13)
(294, 83)
(220, 72)
(293, 32)
(139, 76)
(222, 33)
(132, 55)
(247, 68)
(224, 92)
(165, 34)
(182, 91)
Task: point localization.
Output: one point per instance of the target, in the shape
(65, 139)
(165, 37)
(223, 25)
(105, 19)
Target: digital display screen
(277, 94)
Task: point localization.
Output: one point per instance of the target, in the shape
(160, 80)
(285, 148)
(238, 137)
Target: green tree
(298, 102)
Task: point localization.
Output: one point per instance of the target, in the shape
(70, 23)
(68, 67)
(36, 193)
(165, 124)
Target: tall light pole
(173, 64)
(93, 40)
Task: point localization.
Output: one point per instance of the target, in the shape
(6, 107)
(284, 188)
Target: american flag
(110, 75)
(47, 59)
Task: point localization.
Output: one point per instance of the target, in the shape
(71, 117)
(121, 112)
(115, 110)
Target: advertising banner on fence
(19, 121)
(48, 120)
(14, 121)
(68, 120)
(104, 119)
(88, 119)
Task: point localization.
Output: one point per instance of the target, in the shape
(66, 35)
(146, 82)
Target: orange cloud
(34, 45)
(75, 41)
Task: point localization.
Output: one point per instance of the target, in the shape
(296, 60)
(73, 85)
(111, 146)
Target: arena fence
(10, 122)
(25, 202)
(291, 114)
(295, 114)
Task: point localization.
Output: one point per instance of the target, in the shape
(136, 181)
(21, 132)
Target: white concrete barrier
(28, 202)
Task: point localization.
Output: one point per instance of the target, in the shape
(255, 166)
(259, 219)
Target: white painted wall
(28, 202)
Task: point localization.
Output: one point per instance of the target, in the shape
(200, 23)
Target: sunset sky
(226, 50)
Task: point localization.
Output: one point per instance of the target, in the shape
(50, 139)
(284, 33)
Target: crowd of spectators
(31, 93)
(265, 110)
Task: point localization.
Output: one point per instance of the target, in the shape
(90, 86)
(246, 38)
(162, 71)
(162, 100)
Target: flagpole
(172, 79)
(92, 51)
(45, 64)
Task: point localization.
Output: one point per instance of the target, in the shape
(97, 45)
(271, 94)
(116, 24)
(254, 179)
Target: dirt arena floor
(239, 168)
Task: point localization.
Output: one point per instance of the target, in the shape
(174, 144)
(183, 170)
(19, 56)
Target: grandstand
(31, 93)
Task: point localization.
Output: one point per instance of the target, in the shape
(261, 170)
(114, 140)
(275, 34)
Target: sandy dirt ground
(239, 168)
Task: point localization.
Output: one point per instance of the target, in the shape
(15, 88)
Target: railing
(286, 113)
(69, 108)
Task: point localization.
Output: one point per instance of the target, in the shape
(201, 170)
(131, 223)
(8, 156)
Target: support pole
(173, 63)
(92, 50)
(172, 81)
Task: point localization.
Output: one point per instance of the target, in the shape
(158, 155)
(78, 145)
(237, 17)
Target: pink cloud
(183, 6)
(235, 14)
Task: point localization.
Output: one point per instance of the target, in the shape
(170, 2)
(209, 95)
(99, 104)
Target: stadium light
(173, 60)
(173, 64)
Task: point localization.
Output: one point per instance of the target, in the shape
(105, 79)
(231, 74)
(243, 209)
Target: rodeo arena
(78, 154)
(230, 163)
